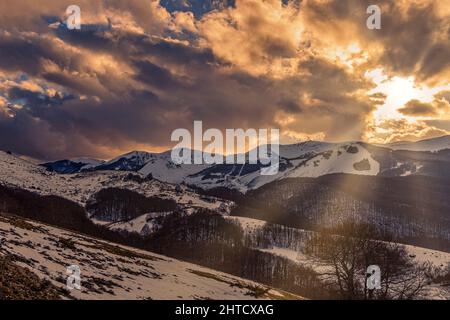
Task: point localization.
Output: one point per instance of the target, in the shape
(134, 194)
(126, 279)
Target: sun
(399, 91)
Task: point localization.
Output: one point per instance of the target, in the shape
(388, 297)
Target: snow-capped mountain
(81, 187)
(73, 165)
(132, 161)
(307, 159)
(162, 167)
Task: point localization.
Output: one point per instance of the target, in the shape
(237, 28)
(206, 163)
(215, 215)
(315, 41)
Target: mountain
(162, 167)
(132, 161)
(432, 145)
(307, 159)
(313, 188)
(73, 165)
(82, 187)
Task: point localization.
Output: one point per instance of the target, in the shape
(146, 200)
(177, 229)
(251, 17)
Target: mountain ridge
(305, 159)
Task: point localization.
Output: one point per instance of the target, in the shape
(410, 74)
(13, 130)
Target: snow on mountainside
(72, 165)
(110, 271)
(306, 159)
(132, 161)
(79, 187)
(439, 259)
(435, 144)
(162, 167)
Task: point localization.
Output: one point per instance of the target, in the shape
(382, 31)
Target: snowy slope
(308, 159)
(79, 187)
(437, 258)
(110, 271)
(162, 167)
(88, 162)
(341, 158)
(132, 161)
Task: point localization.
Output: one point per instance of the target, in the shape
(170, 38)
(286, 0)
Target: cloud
(287, 64)
(413, 39)
(416, 108)
(406, 130)
(443, 95)
(261, 37)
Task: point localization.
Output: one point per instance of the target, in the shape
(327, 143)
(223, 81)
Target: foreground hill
(110, 271)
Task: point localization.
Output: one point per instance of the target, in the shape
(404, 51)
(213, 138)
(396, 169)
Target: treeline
(276, 235)
(114, 204)
(220, 192)
(58, 212)
(354, 258)
(208, 239)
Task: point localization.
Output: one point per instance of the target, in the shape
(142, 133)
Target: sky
(139, 69)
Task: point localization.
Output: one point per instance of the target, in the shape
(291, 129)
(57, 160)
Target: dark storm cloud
(36, 99)
(413, 39)
(417, 108)
(190, 83)
(136, 115)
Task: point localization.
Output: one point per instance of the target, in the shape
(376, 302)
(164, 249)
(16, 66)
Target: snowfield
(110, 271)
(308, 159)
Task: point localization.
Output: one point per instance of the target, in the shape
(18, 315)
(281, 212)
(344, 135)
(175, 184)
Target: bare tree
(350, 249)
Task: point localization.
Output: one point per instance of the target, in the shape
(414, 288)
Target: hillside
(110, 271)
(413, 209)
(79, 187)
